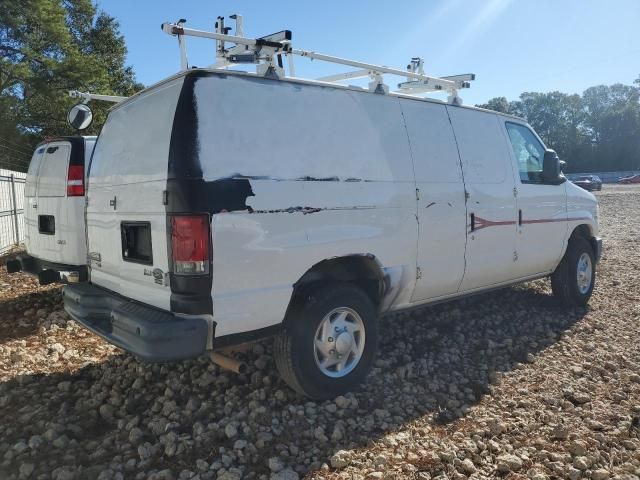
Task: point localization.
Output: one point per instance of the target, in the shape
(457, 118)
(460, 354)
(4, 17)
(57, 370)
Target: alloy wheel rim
(339, 341)
(584, 273)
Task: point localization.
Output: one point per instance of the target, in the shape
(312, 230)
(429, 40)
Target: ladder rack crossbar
(172, 29)
(265, 50)
(345, 76)
(443, 84)
(86, 97)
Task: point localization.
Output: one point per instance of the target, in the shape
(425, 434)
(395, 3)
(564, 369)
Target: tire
(297, 356)
(569, 287)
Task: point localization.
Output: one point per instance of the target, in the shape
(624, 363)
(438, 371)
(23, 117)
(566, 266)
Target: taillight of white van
(190, 242)
(75, 181)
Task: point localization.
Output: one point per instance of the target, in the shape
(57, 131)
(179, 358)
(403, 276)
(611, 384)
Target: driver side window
(529, 152)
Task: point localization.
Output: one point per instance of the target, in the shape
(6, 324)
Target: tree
(498, 104)
(597, 131)
(48, 47)
(557, 117)
(612, 123)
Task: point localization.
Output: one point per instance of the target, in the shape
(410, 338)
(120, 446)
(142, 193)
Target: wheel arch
(362, 270)
(583, 230)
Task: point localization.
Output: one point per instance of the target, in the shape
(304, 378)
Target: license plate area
(47, 224)
(136, 242)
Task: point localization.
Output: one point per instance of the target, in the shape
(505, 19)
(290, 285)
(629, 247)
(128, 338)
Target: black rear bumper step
(47, 272)
(149, 333)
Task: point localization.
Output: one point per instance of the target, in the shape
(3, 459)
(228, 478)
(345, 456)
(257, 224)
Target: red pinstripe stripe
(481, 223)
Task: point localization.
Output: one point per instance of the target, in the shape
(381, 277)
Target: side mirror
(551, 167)
(80, 116)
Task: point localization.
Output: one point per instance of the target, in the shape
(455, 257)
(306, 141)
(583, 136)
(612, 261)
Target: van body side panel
(298, 174)
(127, 178)
(489, 181)
(441, 203)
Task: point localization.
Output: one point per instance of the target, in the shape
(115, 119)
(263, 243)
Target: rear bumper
(47, 272)
(151, 334)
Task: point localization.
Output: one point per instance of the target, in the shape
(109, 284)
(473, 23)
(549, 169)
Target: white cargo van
(55, 237)
(224, 207)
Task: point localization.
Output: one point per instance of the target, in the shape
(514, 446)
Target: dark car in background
(630, 179)
(589, 182)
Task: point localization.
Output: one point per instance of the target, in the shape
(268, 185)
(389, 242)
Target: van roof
(71, 138)
(302, 81)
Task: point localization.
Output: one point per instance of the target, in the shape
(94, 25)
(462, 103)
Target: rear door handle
(520, 218)
(473, 222)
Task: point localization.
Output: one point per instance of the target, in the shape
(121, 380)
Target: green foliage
(48, 47)
(497, 104)
(596, 131)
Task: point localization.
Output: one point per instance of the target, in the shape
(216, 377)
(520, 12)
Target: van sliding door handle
(473, 221)
(519, 218)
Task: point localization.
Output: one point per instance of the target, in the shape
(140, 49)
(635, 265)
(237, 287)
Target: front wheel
(329, 342)
(573, 281)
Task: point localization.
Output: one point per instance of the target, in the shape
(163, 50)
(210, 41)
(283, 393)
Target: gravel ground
(504, 385)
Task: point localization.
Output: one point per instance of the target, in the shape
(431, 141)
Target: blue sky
(511, 45)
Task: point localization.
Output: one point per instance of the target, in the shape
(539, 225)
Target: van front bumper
(151, 334)
(597, 248)
(48, 272)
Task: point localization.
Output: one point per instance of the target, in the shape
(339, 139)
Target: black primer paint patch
(228, 195)
(185, 194)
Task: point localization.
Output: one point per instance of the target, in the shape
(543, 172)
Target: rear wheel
(573, 281)
(329, 342)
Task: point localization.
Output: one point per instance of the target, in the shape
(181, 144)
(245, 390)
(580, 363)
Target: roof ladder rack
(266, 53)
(87, 97)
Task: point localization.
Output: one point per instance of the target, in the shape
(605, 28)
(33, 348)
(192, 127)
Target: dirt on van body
(506, 385)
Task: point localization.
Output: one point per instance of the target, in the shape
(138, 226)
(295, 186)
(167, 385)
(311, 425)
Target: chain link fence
(11, 209)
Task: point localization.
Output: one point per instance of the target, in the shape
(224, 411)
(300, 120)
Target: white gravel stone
(509, 463)
(341, 459)
(600, 474)
(276, 464)
(230, 430)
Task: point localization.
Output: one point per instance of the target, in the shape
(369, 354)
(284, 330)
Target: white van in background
(226, 206)
(55, 236)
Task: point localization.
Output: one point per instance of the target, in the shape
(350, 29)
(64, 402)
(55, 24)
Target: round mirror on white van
(80, 116)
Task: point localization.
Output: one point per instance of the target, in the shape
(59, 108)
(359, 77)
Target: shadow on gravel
(19, 315)
(134, 417)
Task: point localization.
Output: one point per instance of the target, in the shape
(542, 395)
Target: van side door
(440, 199)
(491, 204)
(542, 207)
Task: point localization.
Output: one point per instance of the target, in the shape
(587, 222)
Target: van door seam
(415, 186)
(466, 197)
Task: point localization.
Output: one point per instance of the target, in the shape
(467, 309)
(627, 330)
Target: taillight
(190, 244)
(75, 181)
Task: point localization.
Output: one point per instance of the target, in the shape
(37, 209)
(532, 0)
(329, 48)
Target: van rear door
(126, 210)
(54, 222)
(31, 200)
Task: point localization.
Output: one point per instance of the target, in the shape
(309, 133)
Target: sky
(512, 46)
